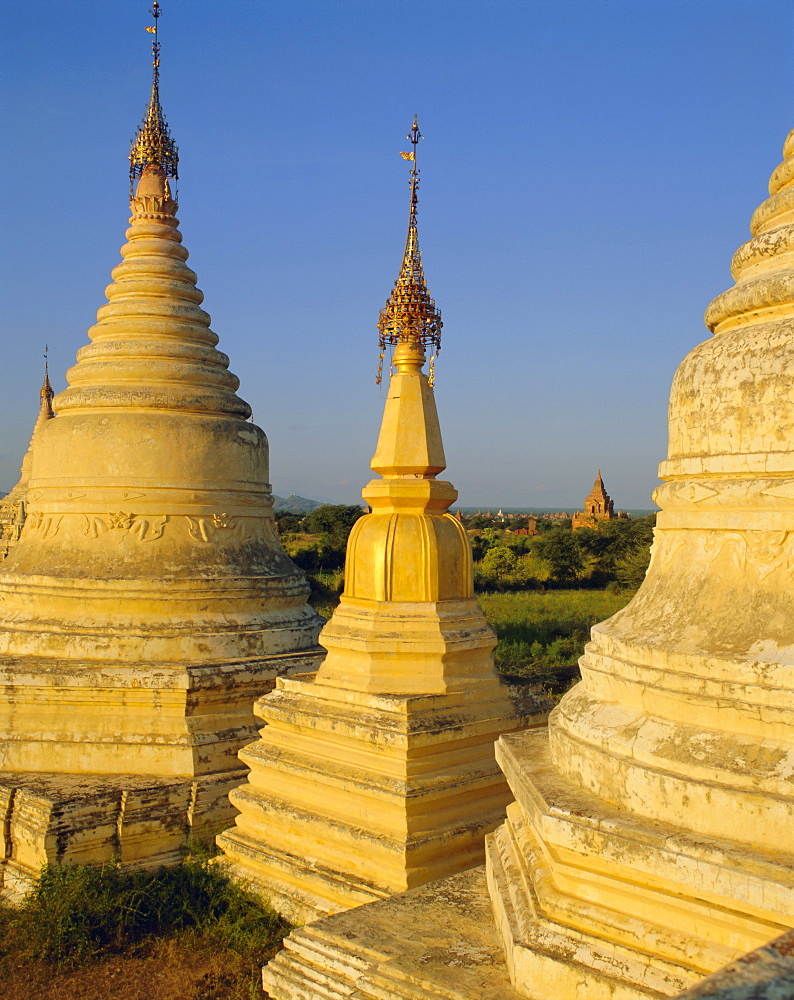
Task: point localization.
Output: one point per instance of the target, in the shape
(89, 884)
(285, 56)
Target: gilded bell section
(409, 548)
(378, 570)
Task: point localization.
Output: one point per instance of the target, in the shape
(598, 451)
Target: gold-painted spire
(410, 316)
(46, 392)
(153, 143)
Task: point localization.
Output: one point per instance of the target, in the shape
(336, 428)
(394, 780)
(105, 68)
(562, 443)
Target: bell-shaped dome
(148, 601)
(732, 402)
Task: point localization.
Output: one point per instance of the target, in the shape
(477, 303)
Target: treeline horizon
(616, 553)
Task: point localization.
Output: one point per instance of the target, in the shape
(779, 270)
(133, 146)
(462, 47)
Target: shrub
(77, 912)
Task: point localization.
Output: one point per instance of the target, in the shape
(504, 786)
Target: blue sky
(588, 170)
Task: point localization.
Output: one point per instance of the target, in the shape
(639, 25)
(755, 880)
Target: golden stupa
(13, 505)
(377, 773)
(650, 840)
(148, 601)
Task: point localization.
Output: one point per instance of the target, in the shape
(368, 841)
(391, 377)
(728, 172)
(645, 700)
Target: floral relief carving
(94, 525)
(121, 521)
(203, 529)
(765, 552)
(143, 529)
(149, 531)
(46, 524)
(665, 547)
(199, 528)
(716, 542)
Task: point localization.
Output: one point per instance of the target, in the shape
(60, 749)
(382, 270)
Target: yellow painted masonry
(650, 841)
(148, 601)
(377, 773)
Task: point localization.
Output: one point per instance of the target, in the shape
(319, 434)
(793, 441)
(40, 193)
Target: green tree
(499, 562)
(560, 549)
(286, 522)
(476, 522)
(333, 520)
(545, 524)
(483, 542)
(631, 569)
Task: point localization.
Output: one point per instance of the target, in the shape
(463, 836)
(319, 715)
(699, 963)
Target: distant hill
(293, 504)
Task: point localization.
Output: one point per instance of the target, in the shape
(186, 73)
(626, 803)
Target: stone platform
(437, 942)
(139, 820)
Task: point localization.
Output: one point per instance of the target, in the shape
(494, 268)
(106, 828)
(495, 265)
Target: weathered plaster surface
(764, 974)
(650, 840)
(433, 943)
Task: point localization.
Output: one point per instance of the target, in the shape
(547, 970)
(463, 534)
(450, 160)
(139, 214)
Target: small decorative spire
(410, 316)
(46, 392)
(153, 143)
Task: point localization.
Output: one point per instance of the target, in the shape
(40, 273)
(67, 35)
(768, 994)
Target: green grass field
(543, 634)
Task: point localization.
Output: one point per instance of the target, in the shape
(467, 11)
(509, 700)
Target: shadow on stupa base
(139, 821)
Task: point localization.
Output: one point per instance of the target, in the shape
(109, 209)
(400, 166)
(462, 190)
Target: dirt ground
(183, 967)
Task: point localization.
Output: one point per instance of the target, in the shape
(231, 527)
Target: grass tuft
(76, 915)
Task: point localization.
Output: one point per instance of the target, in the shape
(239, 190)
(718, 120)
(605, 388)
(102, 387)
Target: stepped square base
(114, 717)
(140, 820)
(106, 760)
(354, 796)
(437, 942)
(595, 904)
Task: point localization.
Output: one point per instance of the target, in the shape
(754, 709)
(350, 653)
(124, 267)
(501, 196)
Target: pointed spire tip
(411, 315)
(153, 143)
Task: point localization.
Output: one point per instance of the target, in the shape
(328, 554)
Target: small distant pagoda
(598, 507)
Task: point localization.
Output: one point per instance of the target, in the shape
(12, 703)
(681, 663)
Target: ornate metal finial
(410, 315)
(153, 142)
(46, 392)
